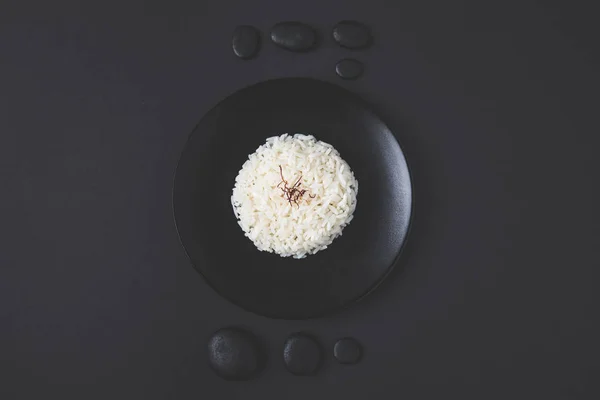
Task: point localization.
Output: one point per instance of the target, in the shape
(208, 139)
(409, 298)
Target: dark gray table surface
(495, 105)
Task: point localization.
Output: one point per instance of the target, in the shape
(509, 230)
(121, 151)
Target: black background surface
(495, 106)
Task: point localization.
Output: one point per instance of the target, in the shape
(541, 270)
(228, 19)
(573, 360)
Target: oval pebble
(349, 68)
(347, 351)
(352, 35)
(294, 36)
(302, 354)
(246, 41)
(235, 354)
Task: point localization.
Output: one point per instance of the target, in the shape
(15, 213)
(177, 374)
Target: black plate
(355, 263)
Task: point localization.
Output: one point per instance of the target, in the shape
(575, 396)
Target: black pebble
(347, 351)
(235, 354)
(246, 41)
(302, 354)
(352, 35)
(349, 68)
(294, 36)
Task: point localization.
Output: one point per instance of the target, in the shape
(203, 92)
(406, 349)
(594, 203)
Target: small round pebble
(352, 35)
(246, 41)
(294, 36)
(302, 354)
(349, 68)
(347, 351)
(235, 354)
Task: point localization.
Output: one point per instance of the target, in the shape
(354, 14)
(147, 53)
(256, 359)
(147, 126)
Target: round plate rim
(391, 268)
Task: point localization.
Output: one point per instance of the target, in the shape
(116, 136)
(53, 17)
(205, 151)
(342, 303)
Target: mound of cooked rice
(294, 195)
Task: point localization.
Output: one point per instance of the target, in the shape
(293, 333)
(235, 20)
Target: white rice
(274, 223)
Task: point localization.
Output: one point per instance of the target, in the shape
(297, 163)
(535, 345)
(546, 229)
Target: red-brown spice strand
(292, 194)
